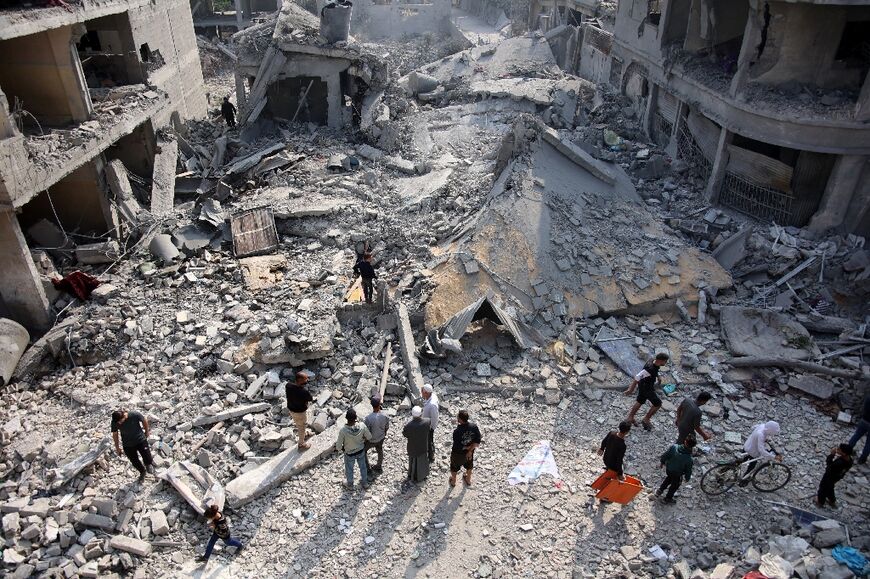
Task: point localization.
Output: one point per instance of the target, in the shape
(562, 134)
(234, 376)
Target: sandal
(466, 480)
(646, 425)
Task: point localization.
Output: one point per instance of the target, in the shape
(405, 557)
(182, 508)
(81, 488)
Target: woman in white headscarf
(756, 445)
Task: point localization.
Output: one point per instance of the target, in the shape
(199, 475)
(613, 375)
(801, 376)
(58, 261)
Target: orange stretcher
(610, 488)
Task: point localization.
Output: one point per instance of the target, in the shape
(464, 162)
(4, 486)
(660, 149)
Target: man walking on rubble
(228, 112)
(430, 411)
(365, 270)
(133, 430)
(863, 429)
(297, 403)
(378, 423)
(613, 449)
(417, 432)
(466, 438)
(645, 382)
(689, 417)
(677, 462)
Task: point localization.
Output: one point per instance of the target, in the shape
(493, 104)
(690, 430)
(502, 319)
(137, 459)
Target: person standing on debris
(837, 464)
(645, 382)
(228, 112)
(677, 462)
(365, 270)
(133, 430)
(417, 432)
(378, 423)
(220, 530)
(466, 438)
(863, 429)
(613, 449)
(756, 447)
(430, 411)
(298, 399)
(351, 441)
(689, 417)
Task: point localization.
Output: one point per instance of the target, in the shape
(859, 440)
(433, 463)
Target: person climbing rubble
(837, 464)
(613, 449)
(366, 271)
(133, 429)
(220, 530)
(645, 382)
(228, 112)
(298, 398)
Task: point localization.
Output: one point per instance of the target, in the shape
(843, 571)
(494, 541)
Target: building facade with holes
(768, 102)
(82, 86)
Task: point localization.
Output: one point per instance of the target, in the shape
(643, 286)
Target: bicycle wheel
(719, 479)
(771, 477)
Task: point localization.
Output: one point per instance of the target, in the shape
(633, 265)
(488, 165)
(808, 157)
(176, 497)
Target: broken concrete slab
(195, 485)
(409, 353)
(732, 251)
(132, 545)
(621, 351)
(68, 471)
(119, 184)
(162, 247)
(232, 413)
(13, 341)
(275, 471)
(163, 178)
(765, 334)
(812, 385)
(264, 271)
(96, 521)
(98, 253)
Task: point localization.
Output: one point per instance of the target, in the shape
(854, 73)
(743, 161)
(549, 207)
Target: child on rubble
(220, 529)
(613, 449)
(838, 463)
(677, 462)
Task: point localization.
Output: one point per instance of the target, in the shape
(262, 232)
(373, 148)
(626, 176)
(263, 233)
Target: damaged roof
(486, 308)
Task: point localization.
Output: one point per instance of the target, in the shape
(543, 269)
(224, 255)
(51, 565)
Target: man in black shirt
(645, 383)
(466, 438)
(863, 429)
(133, 429)
(297, 403)
(613, 449)
(228, 111)
(366, 271)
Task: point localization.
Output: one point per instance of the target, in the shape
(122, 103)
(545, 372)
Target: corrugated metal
(667, 105)
(761, 169)
(705, 133)
(254, 232)
(455, 327)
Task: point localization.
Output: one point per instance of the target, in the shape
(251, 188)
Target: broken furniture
(254, 232)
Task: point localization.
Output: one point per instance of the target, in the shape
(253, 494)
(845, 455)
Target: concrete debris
(765, 333)
(65, 473)
(13, 341)
(195, 484)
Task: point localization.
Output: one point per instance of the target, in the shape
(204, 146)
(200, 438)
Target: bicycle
(767, 477)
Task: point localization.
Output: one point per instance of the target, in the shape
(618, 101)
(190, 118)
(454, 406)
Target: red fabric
(755, 575)
(78, 284)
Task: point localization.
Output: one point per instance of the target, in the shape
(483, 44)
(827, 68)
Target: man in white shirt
(430, 411)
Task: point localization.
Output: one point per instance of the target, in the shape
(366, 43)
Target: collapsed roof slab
(561, 241)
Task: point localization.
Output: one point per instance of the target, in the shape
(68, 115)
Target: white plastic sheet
(538, 461)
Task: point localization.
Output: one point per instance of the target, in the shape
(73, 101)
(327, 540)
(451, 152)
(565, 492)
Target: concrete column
(69, 70)
(720, 163)
(334, 100)
(751, 39)
(651, 104)
(238, 4)
(842, 184)
(241, 99)
(862, 107)
(20, 286)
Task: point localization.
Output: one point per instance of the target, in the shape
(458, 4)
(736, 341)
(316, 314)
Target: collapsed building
(766, 101)
(293, 73)
(82, 87)
(209, 19)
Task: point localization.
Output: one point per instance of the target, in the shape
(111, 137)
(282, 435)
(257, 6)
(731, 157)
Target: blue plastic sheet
(854, 560)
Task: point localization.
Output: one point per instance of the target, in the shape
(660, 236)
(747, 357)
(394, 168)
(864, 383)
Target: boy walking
(466, 438)
(838, 464)
(351, 441)
(613, 449)
(220, 530)
(645, 383)
(677, 462)
(366, 271)
(131, 429)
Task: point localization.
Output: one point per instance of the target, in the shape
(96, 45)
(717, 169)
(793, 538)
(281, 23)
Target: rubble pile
(490, 173)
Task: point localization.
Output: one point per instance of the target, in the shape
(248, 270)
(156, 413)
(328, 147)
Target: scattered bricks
(52, 529)
(96, 521)
(241, 447)
(244, 367)
(22, 571)
(203, 459)
(130, 545)
(320, 422)
(39, 507)
(104, 293)
(12, 557)
(124, 520)
(31, 532)
(86, 537)
(93, 550)
(14, 505)
(11, 524)
(105, 507)
(89, 569)
(159, 525)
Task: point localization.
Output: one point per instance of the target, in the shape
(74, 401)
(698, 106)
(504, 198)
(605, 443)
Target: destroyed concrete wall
(594, 56)
(393, 20)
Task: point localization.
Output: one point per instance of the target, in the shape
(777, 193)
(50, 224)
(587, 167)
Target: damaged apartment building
(297, 67)
(82, 85)
(767, 102)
